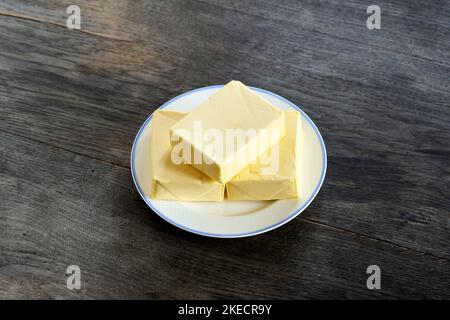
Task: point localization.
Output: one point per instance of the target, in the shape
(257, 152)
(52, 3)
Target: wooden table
(71, 102)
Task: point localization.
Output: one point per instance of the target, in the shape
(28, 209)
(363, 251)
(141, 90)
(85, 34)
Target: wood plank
(434, 85)
(48, 222)
(350, 79)
(409, 27)
(385, 120)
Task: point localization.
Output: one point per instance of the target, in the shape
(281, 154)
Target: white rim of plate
(291, 216)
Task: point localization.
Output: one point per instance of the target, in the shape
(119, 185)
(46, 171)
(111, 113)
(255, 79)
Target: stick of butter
(269, 180)
(235, 109)
(170, 181)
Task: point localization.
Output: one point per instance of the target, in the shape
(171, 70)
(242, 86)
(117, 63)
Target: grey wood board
(49, 222)
(90, 94)
(380, 98)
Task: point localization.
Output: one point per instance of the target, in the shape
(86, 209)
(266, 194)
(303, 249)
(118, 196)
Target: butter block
(252, 184)
(236, 108)
(170, 181)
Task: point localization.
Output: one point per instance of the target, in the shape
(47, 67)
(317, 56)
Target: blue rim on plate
(291, 216)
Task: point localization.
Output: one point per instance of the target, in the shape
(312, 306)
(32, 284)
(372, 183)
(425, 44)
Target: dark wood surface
(72, 101)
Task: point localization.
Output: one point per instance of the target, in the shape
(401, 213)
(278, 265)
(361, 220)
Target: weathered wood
(409, 27)
(380, 98)
(89, 94)
(59, 208)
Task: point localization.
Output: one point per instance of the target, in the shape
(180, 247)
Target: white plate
(232, 219)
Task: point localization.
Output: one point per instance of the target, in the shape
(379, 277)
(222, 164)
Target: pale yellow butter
(251, 184)
(234, 107)
(170, 181)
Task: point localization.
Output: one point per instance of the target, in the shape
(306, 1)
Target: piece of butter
(233, 108)
(265, 180)
(170, 181)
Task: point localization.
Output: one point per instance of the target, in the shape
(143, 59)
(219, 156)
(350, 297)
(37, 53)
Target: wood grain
(48, 222)
(412, 28)
(380, 98)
